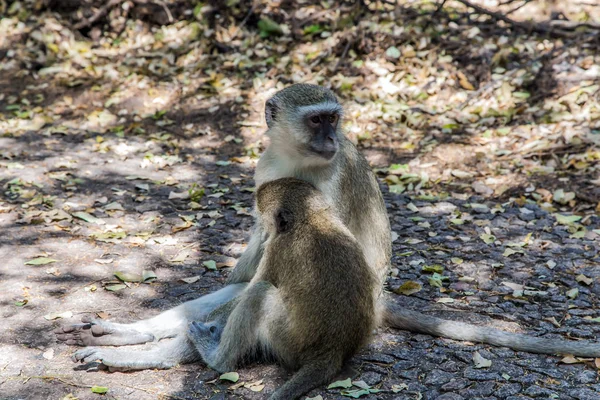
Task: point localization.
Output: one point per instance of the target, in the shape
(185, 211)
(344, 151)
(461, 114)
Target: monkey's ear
(270, 112)
(284, 220)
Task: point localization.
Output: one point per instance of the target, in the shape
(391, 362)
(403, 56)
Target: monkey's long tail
(400, 318)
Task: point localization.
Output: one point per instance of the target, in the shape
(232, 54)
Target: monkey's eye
(333, 119)
(315, 120)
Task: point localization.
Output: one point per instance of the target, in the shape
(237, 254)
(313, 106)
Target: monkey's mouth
(324, 148)
(327, 154)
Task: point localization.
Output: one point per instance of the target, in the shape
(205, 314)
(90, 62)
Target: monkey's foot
(108, 358)
(95, 332)
(206, 337)
(119, 360)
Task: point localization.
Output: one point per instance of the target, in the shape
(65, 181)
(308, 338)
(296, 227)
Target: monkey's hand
(206, 337)
(95, 332)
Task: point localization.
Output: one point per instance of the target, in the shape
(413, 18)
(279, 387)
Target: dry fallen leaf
(464, 82)
(408, 288)
(230, 376)
(570, 360)
(41, 261)
(181, 195)
(553, 321)
(191, 279)
(483, 189)
(445, 300)
(48, 354)
(480, 361)
(257, 386)
(462, 174)
(517, 289)
(57, 315)
(584, 279)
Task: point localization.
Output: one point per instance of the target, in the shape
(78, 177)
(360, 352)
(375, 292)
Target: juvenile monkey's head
(305, 120)
(284, 202)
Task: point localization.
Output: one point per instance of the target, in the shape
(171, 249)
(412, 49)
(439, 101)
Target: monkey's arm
(97, 332)
(248, 263)
(400, 318)
(223, 349)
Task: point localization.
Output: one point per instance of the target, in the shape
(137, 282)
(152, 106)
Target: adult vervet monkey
(310, 307)
(304, 125)
(307, 142)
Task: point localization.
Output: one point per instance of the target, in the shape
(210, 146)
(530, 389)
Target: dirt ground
(128, 144)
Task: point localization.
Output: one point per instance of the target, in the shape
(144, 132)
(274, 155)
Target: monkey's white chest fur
(271, 167)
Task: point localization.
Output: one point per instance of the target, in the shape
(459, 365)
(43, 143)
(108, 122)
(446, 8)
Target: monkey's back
(327, 288)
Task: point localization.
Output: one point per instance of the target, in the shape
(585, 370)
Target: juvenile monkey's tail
(308, 377)
(400, 318)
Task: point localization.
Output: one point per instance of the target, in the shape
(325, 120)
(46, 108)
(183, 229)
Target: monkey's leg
(97, 332)
(258, 307)
(246, 266)
(163, 355)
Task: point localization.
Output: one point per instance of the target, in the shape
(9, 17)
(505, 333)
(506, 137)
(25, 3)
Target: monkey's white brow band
(325, 107)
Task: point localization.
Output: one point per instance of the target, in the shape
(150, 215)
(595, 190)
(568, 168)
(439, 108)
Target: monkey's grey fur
(310, 307)
(346, 180)
(348, 184)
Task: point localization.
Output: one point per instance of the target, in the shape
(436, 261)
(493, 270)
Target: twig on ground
(587, 198)
(518, 7)
(62, 379)
(154, 392)
(349, 43)
(159, 3)
(96, 311)
(573, 24)
(559, 149)
(241, 25)
(434, 14)
(99, 14)
(166, 8)
(535, 27)
(126, 7)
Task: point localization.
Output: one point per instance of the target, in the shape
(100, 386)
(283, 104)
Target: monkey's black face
(323, 128)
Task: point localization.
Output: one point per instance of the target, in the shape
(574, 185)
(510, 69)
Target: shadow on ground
(152, 138)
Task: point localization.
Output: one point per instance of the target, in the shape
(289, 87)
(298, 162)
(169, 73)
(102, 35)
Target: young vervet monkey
(310, 304)
(307, 142)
